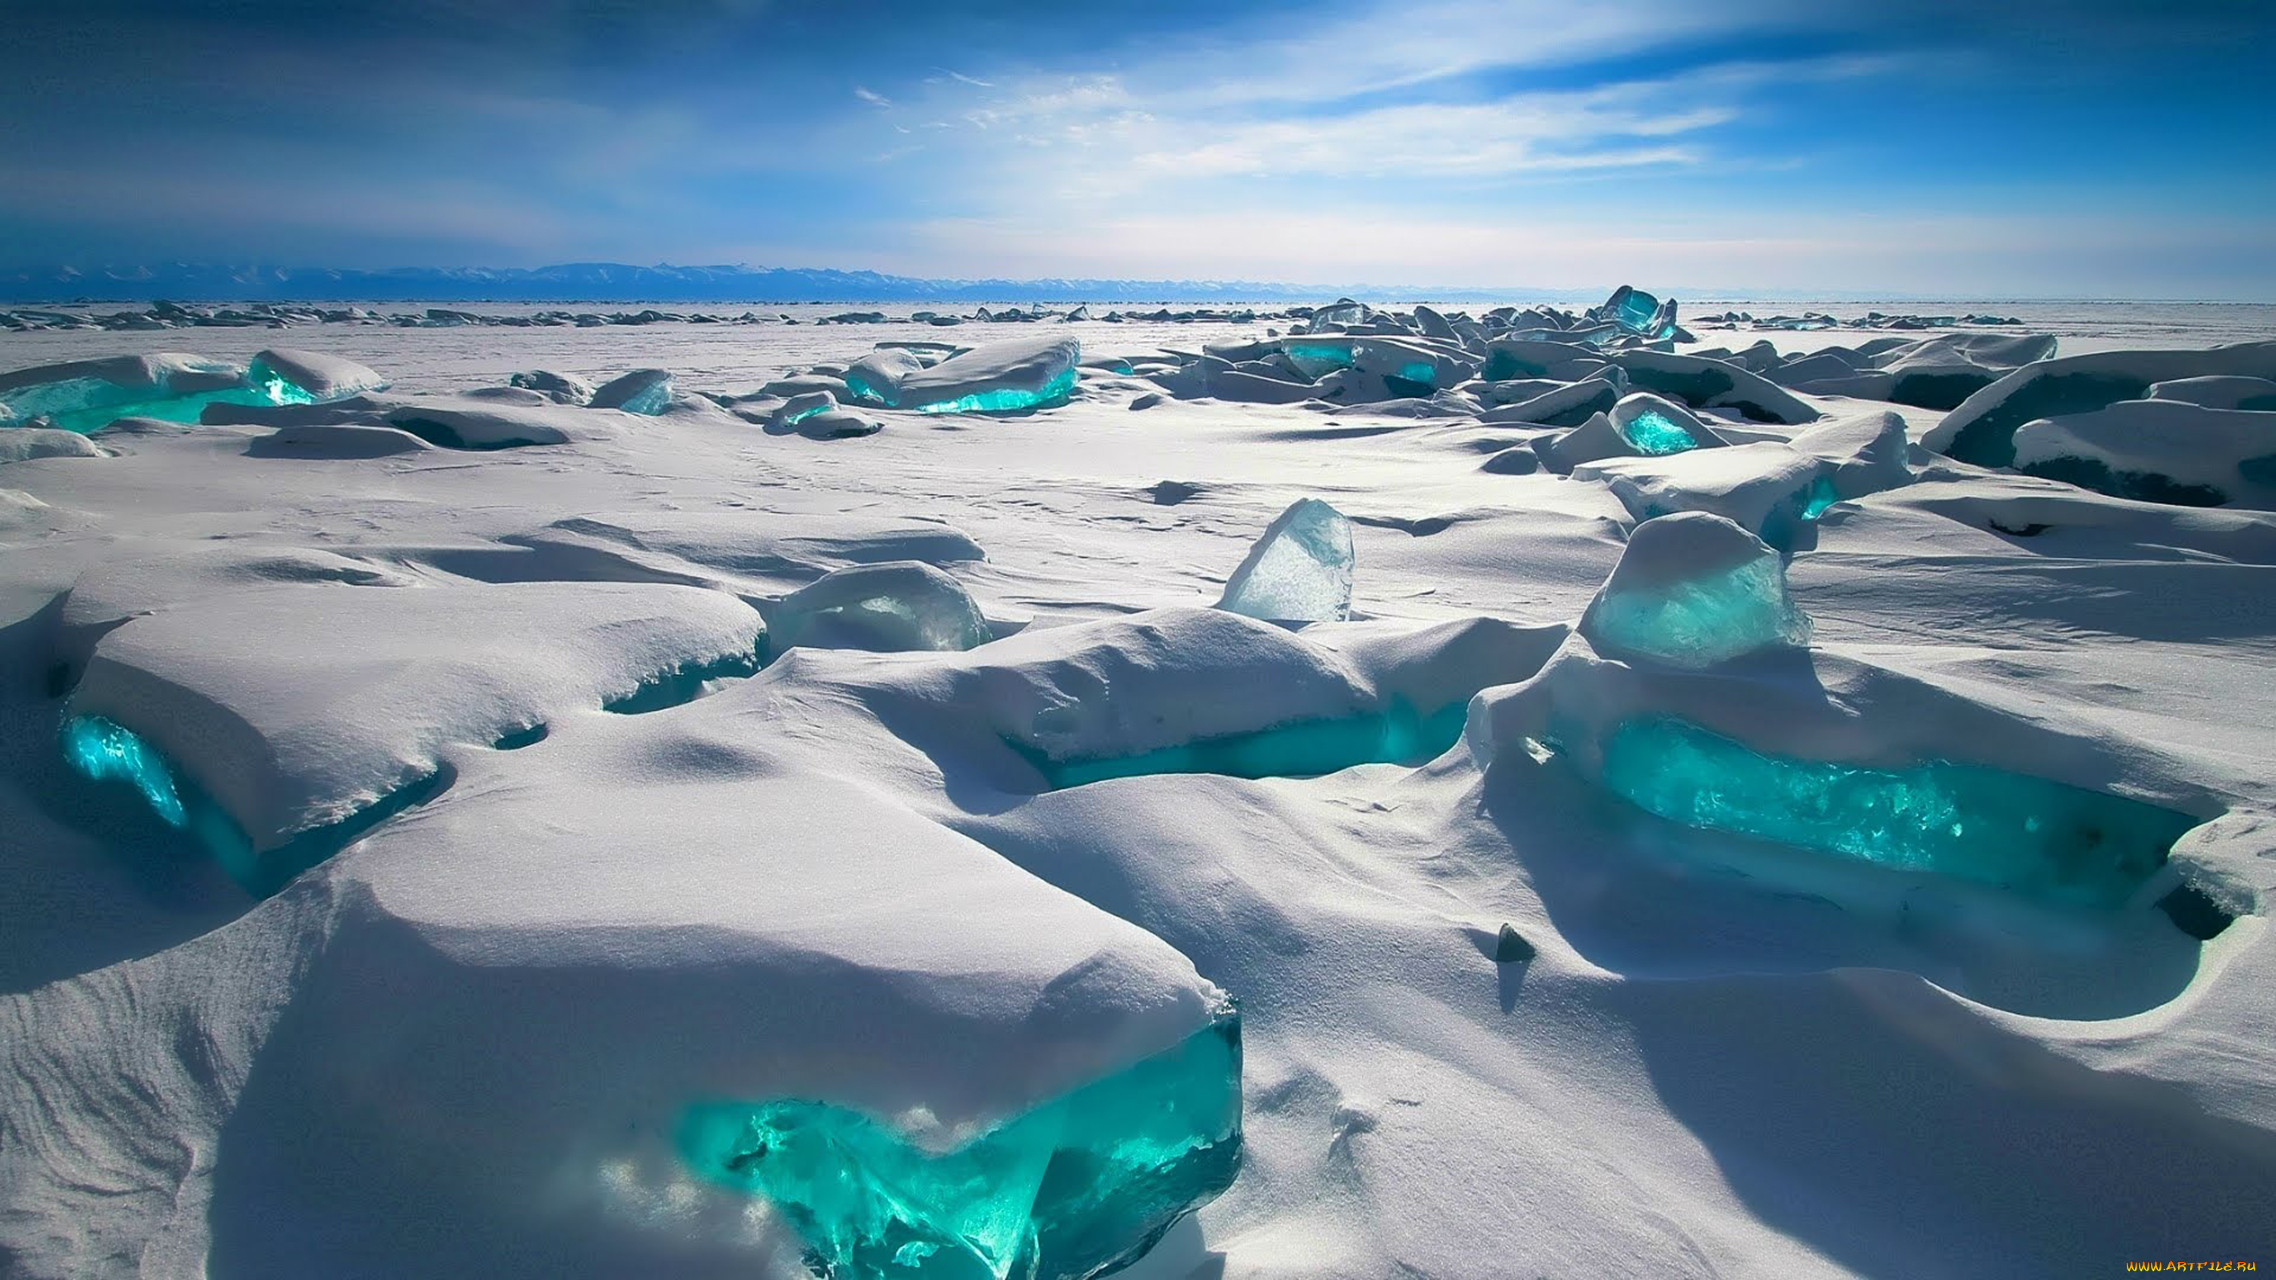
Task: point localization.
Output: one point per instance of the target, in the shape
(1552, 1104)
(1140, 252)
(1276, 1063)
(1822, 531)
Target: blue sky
(2004, 148)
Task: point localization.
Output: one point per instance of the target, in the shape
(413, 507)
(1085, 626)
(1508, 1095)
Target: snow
(1531, 851)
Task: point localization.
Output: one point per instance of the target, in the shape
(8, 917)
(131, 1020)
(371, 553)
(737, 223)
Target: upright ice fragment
(891, 607)
(1639, 313)
(1077, 1187)
(1299, 571)
(647, 392)
(1693, 590)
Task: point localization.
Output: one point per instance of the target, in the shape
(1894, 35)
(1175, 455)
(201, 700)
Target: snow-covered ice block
(647, 392)
(82, 395)
(890, 607)
(1868, 452)
(2158, 451)
(2219, 392)
(1770, 489)
(1000, 377)
(561, 388)
(1568, 405)
(1591, 441)
(310, 377)
(335, 440)
(22, 444)
(1713, 384)
(1694, 590)
(1299, 570)
(260, 699)
(1982, 429)
(1654, 427)
(802, 406)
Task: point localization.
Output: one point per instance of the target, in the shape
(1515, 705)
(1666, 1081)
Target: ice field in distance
(1635, 788)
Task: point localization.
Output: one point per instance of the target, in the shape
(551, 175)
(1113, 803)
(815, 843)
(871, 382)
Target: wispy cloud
(871, 96)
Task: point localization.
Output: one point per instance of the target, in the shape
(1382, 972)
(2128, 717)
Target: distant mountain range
(617, 282)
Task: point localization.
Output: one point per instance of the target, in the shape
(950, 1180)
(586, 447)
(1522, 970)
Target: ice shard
(2027, 835)
(895, 606)
(1078, 1187)
(646, 392)
(1639, 313)
(1693, 590)
(1299, 571)
(1655, 427)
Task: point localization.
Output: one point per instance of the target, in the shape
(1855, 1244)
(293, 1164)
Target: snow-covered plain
(468, 681)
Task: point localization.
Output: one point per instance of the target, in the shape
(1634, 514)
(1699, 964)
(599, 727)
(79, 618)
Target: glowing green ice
(1701, 621)
(1422, 371)
(793, 419)
(101, 749)
(1307, 749)
(1654, 433)
(1822, 495)
(1077, 1187)
(1007, 399)
(2015, 832)
(1313, 359)
(859, 388)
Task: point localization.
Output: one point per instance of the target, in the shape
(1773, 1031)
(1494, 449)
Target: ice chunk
(1299, 571)
(309, 377)
(1001, 377)
(1703, 383)
(561, 388)
(2024, 834)
(1693, 590)
(803, 406)
(1655, 427)
(646, 392)
(1868, 453)
(1315, 357)
(84, 395)
(1079, 1186)
(1766, 487)
(1639, 313)
(2219, 392)
(890, 607)
(877, 376)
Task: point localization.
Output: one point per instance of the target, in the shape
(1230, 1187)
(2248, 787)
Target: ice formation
(1001, 377)
(1694, 590)
(309, 377)
(1298, 571)
(1639, 313)
(2158, 450)
(2022, 834)
(889, 607)
(647, 392)
(1982, 429)
(22, 444)
(1772, 490)
(1075, 1188)
(1654, 427)
(85, 395)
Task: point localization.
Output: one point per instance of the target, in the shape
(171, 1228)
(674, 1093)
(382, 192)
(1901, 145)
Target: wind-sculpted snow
(2158, 451)
(1299, 570)
(1982, 429)
(286, 747)
(1772, 490)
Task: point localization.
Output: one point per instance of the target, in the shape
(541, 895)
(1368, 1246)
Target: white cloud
(872, 97)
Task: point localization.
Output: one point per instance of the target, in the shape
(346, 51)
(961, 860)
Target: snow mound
(22, 444)
(2158, 451)
(1772, 490)
(1982, 429)
(646, 392)
(290, 377)
(889, 607)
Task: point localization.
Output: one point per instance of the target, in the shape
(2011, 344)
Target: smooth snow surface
(706, 799)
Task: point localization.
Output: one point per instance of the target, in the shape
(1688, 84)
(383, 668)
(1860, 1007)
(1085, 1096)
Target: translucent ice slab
(2019, 833)
(1077, 1187)
(1299, 571)
(1693, 590)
